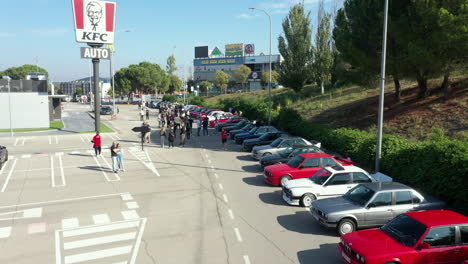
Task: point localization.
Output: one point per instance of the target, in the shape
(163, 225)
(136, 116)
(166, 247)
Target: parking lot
(198, 204)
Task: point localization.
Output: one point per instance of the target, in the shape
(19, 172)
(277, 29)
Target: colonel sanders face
(94, 11)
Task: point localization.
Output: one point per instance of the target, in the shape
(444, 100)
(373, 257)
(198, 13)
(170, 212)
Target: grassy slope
(356, 107)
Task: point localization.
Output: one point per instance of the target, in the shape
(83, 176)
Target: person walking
(189, 129)
(199, 125)
(147, 131)
(171, 138)
(113, 150)
(205, 126)
(142, 114)
(224, 136)
(120, 153)
(147, 113)
(163, 136)
(183, 133)
(97, 144)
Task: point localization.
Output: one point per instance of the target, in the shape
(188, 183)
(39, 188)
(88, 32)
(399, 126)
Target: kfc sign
(94, 21)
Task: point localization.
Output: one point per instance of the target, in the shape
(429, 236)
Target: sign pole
(97, 96)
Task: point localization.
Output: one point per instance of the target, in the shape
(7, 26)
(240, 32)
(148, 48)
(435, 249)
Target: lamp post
(378, 155)
(112, 73)
(9, 101)
(269, 82)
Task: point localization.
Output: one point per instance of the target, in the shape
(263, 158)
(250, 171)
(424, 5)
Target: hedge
(437, 166)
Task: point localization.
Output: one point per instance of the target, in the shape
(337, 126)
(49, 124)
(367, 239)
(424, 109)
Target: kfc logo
(94, 21)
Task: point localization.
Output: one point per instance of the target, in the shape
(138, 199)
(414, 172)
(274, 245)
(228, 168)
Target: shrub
(169, 98)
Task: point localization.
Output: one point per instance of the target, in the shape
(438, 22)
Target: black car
(287, 154)
(3, 155)
(106, 110)
(264, 139)
(239, 125)
(244, 129)
(231, 121)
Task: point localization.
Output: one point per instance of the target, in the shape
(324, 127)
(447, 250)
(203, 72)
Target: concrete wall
(28, 110)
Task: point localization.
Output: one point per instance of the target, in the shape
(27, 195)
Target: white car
(212, 116)
(327, 182)
(277, 146)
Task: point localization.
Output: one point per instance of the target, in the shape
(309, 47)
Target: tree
(79, 91)
(206, 86)
(241, 74)
(266, 77)
(323, 56)
(145, 77)
(17, 73)
(296, 49)
(171, 65)
(175, 84)
(221, 80)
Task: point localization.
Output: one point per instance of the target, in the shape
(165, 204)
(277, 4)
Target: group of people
(171, 119)
(116, 150)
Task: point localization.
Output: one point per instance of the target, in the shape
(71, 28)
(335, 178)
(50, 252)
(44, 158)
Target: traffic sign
(94, 21)
(95, 53)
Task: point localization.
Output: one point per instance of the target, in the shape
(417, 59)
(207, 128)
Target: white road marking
(220, 186)
(52, 171)
(138, 242)
(82, 140)
(209, 161)
(70, 223)
(27, 213)
(98, 254)
(231, 214)
(5, 232)
(144, 158)
(123, 262)
(216, 176)
(126, 197)
(204, 150)
(99, 240)
(59, 153)
(212, 167)
(113, 138)
(117, 178)
(118, 137)
(206, 155)
(99, 228)
(75, 153)
(4, 166)
(130, 215)
(33, 212)
(50, 140)
(132, 205)
(225, 198)
(9, 176)
(22, 142)
(26, 156)
(101, 219)
(246, 259)
(102, 170)
(238, 235)
(56, 140)
(62, 173)
(16, 142)
(11, 157)
(36, 228)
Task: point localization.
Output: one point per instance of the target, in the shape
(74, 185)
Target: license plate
(345, 257)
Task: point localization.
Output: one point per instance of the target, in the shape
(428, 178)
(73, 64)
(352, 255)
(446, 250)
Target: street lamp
(9, 101)
(378, 155)
(269, 83)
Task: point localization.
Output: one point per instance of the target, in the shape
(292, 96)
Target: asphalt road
(197, 204)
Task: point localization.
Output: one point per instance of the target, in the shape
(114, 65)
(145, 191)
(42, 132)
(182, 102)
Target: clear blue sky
(44, 30)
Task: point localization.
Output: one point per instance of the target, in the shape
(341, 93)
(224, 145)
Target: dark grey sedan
(370, 205)
(3, 156)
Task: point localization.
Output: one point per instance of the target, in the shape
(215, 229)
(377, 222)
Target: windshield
(287, 151)
(359, 195)
(265, 137)
(246, 127)
(253, 130)
(296, 161)
(320, 176)
(405, 230)
(276, 142)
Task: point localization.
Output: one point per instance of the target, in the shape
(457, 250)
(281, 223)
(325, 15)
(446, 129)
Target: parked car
(228, 121)
(370, 205)
(106, 110)
(239, 138)
(301, 166)
(327, 182)
(246, 128)
(3, 156)
(277, 146)
(287, 154)
(263, 140)
(237, 126)
(425, 237)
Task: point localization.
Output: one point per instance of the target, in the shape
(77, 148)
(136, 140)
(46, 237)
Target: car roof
(438, 217)
(346, 169)
(315, 155)
(386, 186)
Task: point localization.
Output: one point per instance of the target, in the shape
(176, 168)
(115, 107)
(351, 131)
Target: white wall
(28, 110)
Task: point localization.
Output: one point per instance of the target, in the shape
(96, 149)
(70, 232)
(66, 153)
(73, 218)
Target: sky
(42, 32)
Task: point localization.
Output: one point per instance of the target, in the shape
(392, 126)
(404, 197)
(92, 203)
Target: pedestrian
(183, 132)
(118, 110)
(171, 138)
(120, 153)
(147, 113)
(189, 129)
(147, 131)
(199, 125)
(114, 157)
(224, 136)
(205, 126)
(142, 114)
(163, 136)
(97, 144)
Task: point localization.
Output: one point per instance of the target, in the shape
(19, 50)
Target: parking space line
(50, 140)
(216, 176)
(225, 198)
(101, 219)
(220, 186)
(26, 156)
(9, 176)
(99, 240)
(61, 170)
(130, 215)
(103, 172)
(132, 205)
(99, 229)
(56, 140)
(70, 223)
(246, 259)
(22, 142)
(52, 171)
(111, 252)
(126, 197)
(238, 235)
(231, 214)
(118, 137)
(16, 142)
(117, 178)
(5, 232)
(82, 140)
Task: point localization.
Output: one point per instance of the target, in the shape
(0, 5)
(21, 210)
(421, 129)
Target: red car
(301, 166)
(226, 118)
(423, 237)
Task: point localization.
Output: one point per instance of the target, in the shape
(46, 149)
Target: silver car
(277, 146)
(370, 205)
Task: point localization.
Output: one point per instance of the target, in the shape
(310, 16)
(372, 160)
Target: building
(206, 63)
(87, 86)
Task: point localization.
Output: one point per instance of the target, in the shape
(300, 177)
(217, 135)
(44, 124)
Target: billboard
(249, 49)
(234, 50)
(201, 52)
(94, 21)
(218, 61)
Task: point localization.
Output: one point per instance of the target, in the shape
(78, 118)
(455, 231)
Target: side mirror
(371, 205)
(423, 245)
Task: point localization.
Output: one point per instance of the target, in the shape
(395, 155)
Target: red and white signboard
(94, 21)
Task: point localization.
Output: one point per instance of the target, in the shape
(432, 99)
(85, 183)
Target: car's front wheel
(284, 179)
(346, 226)
(307, 199)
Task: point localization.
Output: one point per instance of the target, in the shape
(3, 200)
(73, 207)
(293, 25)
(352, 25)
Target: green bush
(198, 100)
(169, 98)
